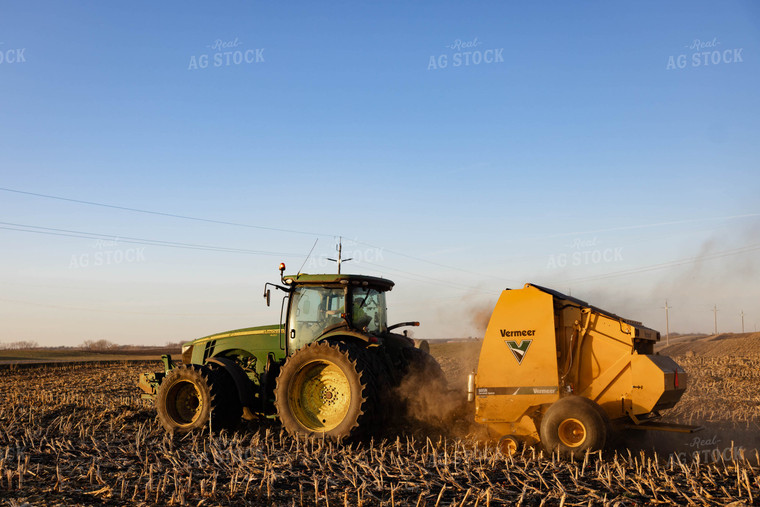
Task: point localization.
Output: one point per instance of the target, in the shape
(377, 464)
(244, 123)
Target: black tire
(573, 425)
(381, 400)
(227, 409)
(326, 390)
(423, 345)
(190, 396)
(420, 362)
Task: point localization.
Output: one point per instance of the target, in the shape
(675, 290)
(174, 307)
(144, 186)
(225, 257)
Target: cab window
(368, 311)
(312, 310)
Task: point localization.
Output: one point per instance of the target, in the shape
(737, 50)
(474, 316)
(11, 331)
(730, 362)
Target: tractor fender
(242, 382)
(347, 333)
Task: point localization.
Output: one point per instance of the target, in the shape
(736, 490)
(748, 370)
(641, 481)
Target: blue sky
(455, 182)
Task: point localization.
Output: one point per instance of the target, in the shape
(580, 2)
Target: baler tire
(508, 445)
(189, 397)
(572, 426)
(326, 390)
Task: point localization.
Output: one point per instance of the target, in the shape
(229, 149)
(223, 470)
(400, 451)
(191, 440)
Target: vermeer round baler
(556, 370)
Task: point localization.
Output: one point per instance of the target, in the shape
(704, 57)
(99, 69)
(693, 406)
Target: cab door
(312, 310)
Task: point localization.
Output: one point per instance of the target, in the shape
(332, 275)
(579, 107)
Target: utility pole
(742, 321)
(667, 323)
(339, 248)
(715, 314)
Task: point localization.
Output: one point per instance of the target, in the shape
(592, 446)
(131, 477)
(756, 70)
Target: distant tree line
(19, 345)
(98, 345)
(91, 345)
(101, 345)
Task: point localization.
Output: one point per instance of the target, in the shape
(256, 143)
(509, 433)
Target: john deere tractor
(328, 369)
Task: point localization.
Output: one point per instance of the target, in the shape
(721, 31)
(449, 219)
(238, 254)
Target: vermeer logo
(520, 350)
(523, 332)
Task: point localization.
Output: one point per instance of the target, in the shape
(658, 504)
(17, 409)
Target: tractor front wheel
(573, 425)
(192, 395)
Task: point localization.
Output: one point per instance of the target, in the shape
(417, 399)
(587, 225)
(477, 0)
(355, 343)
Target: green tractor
(329, 369)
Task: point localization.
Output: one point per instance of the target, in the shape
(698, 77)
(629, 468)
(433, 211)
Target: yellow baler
(555, 370)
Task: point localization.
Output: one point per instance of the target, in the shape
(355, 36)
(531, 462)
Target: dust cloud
(430, 405)
(722, 273)
(479, 317)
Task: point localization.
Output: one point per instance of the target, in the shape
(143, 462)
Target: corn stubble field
(80, 434)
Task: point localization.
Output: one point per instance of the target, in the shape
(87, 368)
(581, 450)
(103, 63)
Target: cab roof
(342, 279)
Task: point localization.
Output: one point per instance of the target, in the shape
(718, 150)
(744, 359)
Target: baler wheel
(573, 425)
(571, 432)
(508, 445)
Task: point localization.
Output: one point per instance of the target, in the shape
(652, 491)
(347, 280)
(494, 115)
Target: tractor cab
(316, 307)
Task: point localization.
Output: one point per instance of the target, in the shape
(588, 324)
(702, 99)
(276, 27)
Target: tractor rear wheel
(326, 389)
(192, 395)
(573, 425)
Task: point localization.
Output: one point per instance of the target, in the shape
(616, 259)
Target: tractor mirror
(267, 294)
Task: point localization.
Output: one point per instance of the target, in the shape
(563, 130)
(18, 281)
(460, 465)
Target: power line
(433, 281)
(470, 272)
(715, 314)
(667, 323)
(669, 264)
(132, 240)
(122, 312)
(221, 222)
(292, 231)
(646, 226)
(190, 246)
(160, 213)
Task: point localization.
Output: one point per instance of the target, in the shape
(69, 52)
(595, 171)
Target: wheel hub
(508, 445)
(572, 432)
(320, 395)
(184, 402)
